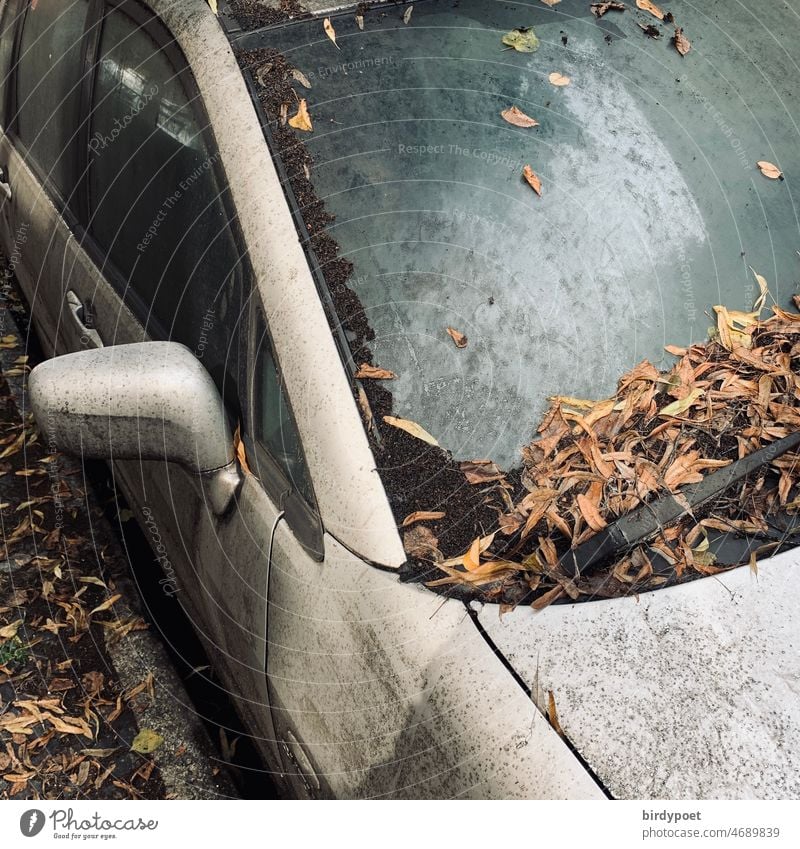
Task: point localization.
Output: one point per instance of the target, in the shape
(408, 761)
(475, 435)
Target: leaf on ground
(681, 42)
(647, 6)
(9, 631)
(559, 79)
(459, 338)
(301, 78)
(481, 471)
(422, 516)
(599, 9)
(330, 31)
(518, 118)
(768, 169)
(368, 372)
(109, 602)
(472, 559)
(407, 14)
(681, 406)
(532, 179)
(411, 427)
(302, 120)
(523, 40)
(146, 742)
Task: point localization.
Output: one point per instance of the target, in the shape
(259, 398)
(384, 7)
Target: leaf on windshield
(422, 516)
(523, 40)
(481, 471)
(769, 170)
(411, 427)
(459, 338)
(407, 14)
(301, 78)
(599, 9)
(532, 179)
(518, 118)
(551, 2)
(214, 9)
(302, 120)
(559, 79)
(368, 372)
(681, 42)
(330, 31)
(647, 6)
(360, 21)
(650, 30)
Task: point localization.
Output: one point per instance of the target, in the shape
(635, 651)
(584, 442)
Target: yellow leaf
(518, 118)
(330, 31)
(678, 407)
(558, 79)
(472, 559)
(407, 14)
(302, 120)
(647, 6)
(214, 9)
(146, 742)
(764, 291)
(411, 427)
(109, 602)
(90, 579)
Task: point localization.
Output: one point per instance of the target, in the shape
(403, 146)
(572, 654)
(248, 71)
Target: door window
(49, 75)
(159, 211)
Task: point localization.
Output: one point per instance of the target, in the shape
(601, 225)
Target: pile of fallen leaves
(594, 461)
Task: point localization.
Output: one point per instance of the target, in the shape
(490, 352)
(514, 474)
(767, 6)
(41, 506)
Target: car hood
(687, 692)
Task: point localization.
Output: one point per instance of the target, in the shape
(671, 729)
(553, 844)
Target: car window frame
(303, 517)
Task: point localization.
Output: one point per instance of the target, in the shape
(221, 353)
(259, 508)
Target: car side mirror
(144, 401)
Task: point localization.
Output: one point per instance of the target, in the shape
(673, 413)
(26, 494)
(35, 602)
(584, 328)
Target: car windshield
(645, 208)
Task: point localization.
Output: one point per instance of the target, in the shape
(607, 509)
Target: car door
(39, 151)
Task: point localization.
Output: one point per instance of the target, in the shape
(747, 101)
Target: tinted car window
(157, 209)
(275, 429)
(49, 87)
(8, 24)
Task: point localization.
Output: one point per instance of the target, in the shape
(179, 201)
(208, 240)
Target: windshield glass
(645, 209)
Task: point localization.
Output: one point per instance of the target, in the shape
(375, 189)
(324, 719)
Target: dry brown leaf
(301, 78)
(558, 79)
(681, 42)
(548, 598)
(591, 514)
(330, 31)
(518, 118)
(532, 179)
(472, 559)
(302, 120)
(9, 631)
(481, 471)
(423, 516)
(421, 542)
(768, 169)
(459, 338)
(368, 372)
(599, 9)
(647, 6)
(411, 427)
(552, 715)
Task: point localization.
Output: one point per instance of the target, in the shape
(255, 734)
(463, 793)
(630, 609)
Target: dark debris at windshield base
(476, 531)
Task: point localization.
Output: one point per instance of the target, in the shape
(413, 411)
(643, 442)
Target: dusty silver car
(172, 270)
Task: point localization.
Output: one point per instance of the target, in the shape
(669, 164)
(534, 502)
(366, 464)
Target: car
(175, 240)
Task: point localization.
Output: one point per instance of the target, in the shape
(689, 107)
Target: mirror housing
(143, 401)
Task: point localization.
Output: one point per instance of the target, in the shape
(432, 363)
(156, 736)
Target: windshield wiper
(646, 521)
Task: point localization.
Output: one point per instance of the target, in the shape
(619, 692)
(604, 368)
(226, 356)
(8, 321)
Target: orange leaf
(366, 371)
(518, 118)
(422, 516)
(532, 179)
(459, 338)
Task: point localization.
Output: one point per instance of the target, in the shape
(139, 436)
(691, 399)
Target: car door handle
(5, 188)
(90, 338)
